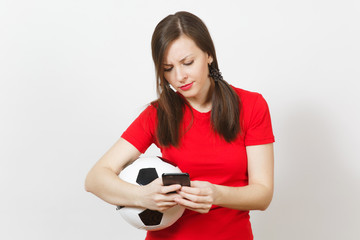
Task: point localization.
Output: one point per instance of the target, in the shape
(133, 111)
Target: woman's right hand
(158, 197)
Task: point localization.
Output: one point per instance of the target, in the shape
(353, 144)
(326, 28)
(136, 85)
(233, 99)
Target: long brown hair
(170, 106)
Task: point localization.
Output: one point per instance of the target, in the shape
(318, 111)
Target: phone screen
(176, 178)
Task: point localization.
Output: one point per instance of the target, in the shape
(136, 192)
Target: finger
(158, 198)
(165, 206)
(199, 207)
(196, 191)
(187, 203)
(171, 188)
(171, 197)
(196, 198)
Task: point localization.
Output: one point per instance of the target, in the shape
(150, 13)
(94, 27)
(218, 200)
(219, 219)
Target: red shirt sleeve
(258, 123)
(141, 132)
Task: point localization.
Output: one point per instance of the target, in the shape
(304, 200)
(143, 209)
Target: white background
(75, 73)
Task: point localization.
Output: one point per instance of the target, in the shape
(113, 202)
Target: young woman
(219, 134)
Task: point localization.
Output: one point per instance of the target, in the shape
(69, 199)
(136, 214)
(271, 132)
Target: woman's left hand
(199, 197)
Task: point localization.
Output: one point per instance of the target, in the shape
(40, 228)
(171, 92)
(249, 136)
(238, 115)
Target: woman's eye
(167, 69)
(189, 63)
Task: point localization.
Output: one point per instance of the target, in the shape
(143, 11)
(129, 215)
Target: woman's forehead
(180, 49)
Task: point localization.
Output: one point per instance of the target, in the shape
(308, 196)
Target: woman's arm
(255, 196)
(104, 182)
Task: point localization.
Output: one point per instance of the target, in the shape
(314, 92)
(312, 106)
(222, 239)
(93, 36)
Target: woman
(219, 134)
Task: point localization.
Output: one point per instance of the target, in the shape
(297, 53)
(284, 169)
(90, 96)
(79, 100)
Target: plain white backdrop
(75, 73)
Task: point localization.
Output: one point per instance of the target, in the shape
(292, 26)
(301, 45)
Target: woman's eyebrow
(185, 58)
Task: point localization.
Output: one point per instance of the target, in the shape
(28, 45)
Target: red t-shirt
(208, 157)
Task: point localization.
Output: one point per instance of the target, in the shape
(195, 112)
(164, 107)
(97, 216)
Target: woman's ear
(210, 59)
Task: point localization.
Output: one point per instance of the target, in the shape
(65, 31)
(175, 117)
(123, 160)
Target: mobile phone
(176, 178)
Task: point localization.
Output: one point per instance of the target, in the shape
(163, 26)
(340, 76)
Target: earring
(214, 73)
(172, 88)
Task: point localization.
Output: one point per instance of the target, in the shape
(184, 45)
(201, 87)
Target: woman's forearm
(105, 184)
(250, 197)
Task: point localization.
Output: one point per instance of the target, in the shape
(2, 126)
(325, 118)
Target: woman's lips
(186, 87)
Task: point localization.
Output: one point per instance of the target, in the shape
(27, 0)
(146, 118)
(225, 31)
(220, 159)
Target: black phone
(176, 178)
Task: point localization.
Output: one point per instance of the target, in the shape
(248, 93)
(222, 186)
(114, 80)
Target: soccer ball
(141, 172)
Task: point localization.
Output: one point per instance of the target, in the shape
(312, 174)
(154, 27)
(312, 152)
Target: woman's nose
(180, 75)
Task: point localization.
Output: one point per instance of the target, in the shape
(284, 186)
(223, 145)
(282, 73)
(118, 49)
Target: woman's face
(186, 69)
